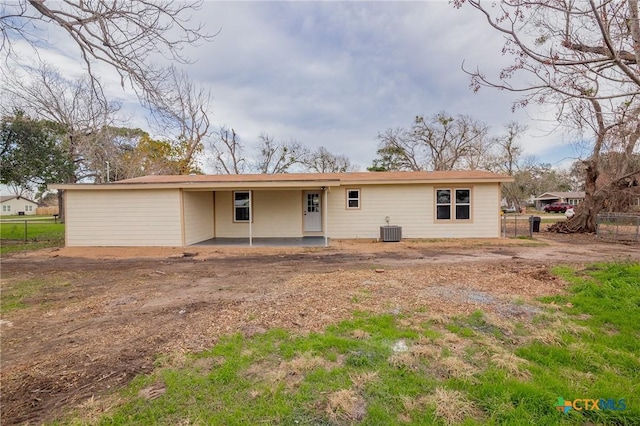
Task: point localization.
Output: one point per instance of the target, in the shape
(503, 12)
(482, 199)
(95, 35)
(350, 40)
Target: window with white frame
(453, 204)
(443, 204)
(4, 207)
(353, 198)
(241, 206)
(463, 204)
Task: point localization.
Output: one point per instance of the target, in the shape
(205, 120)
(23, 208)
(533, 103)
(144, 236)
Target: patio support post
(326, 214)
(250, 219)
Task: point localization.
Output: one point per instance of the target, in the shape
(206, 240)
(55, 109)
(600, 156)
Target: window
(28, 208)
(353, 198)
(463, 204)
(6, 208)
(456, 207)
(443, 204)
(241, 208)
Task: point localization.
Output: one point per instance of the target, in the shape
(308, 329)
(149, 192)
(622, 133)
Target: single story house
(184, 210)
(573, 198)
(17, 205)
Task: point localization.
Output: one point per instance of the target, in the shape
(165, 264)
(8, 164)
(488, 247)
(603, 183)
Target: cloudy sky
(334, 74)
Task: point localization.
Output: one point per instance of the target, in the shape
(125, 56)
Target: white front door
(312, 211)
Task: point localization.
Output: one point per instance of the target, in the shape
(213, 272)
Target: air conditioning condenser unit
(390, 233)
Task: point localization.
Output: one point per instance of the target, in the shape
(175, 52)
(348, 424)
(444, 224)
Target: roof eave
(197, 185)
(427, 181)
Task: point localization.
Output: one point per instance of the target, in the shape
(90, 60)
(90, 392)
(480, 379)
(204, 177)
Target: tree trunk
(61, 205)
(585, 219)
(592, 205)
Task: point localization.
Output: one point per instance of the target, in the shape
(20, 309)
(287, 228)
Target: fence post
(25, 231)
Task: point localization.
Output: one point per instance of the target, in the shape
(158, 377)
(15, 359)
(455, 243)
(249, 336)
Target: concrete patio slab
(265, 242)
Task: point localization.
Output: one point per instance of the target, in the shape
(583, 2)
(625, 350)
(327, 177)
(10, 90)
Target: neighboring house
(573, 198)
(16, 205)
(184, 210)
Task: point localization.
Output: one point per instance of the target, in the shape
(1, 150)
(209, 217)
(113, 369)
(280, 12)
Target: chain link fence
(34, 230)
(618, 227)
(518, 225)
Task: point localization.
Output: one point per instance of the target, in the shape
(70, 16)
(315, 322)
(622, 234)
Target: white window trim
(358, 199)
(456, 204)
(438, 204)
(233, 201)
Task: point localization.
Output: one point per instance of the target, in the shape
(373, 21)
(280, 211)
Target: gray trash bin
(534, 223)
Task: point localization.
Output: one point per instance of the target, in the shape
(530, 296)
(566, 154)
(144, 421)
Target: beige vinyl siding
(123, 218)
(198, 216)
(400, 202)
(276, 213)
(413, 208)
(485, 215)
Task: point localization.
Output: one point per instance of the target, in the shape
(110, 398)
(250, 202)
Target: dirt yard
(104, 315)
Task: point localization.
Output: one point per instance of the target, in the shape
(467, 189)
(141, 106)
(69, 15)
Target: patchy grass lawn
(17, 294)
(39, 234)
(413, 369)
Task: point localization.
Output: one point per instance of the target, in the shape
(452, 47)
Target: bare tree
(227, 152)
(123, 34)
(505, 156)
(508, 150)
(441, 142)
(584, 58)
(181, 109)
(71, 104)
(322, 161)
(449, 140)
(611, 168)
(398, 151)
(277, 157)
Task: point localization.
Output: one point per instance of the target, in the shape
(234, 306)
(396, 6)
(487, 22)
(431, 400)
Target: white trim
(325, 207)
(250, 221)
(357, 198)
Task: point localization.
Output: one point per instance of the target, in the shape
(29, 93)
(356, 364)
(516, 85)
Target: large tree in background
(124, 34)
(278, 157)
(323, 161)
(227, 152)
(72, 104)
(449, 142)
(439, 142)
(584, 58)
(30, 154)
(229, 155)
(127, 153)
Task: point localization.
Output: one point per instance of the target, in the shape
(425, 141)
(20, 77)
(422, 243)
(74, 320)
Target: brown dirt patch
(113, 311)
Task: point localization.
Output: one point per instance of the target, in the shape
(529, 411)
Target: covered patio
(264, 242)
